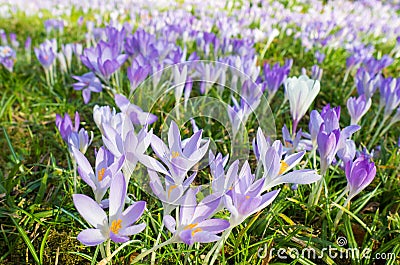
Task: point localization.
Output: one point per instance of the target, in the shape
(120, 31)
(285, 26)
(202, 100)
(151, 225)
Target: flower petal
(89, 210)
(91, 237)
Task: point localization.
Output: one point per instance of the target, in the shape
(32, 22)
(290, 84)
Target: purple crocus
(328, 143)
(87, 83)
(7, 57)
(123, 141)
(276, 168)
(366, 84)
(137, 73)
(390, 95)
(135, 113)
(359, 174)
(274, 77)
(246, 196)
(105, 170)
(177, 157)
(171, 195)
(194, 224)
(357, 108)
(118, 226)
(104, 59)
(71, 134)
(46, 53)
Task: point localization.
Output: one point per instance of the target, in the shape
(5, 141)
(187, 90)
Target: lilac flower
(65, 126)
(142, 43)
(194, 223)
(328, 143)
(135, 113)
(366, 84)
(275, 76)
(374, 66)
(316, 72)
(357, 108)
(294, 142)
(390, 95)
(122, 141)
(314, 126)
(46, 53)
(14, 41)
(178, 158)
(359, 174)
(27, 45)
(319, 56)
(331, 117)
(71, 134)
(7, 57)
(173, 192)
(105, 170)
(301, 92)
(103, 115)
(87, 83)
(137, 74)
(103, 60)
(119, 225)
(276, 169)
(246, 196)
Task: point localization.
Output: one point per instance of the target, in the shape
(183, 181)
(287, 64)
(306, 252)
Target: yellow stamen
(171, 188)
(100, 174)
(191, 226)
(288, 144)
(247, 197)
(283, 167)
(116, 226)
(175, 154)
(196, 231)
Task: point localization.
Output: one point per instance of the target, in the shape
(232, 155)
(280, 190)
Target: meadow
(199, 132)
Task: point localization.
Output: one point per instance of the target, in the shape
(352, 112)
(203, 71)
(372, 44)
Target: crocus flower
(275, 76)
(137, 73)
(171, 195)
(46, 53)
(71, 134)
(276, 168)
(7, 57)
(87, 83)
(301, 92)
(194, 224)
(366, 84)
(359, 174)
(314, 126)
(103, 115)
(178, 158)
(328, 143)
(103, 60)
(123, 141)
(105, 170)
(390, 95)
(135, 113)
(357, 108)
(246, 196)
(118, 226)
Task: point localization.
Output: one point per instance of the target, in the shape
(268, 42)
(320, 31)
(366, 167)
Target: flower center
(191, 226)
(175, 154)
(116, 226)
(171, 188)
(100, 174)
(247, 197)
(283, 167)
(196, 231)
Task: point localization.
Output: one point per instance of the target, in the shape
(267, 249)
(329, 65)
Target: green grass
(39, 224)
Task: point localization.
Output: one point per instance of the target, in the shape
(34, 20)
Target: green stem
(144, 254)
(107, 259)
(340, 213)
(153, 255)
(372, 142)
(218, 246)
